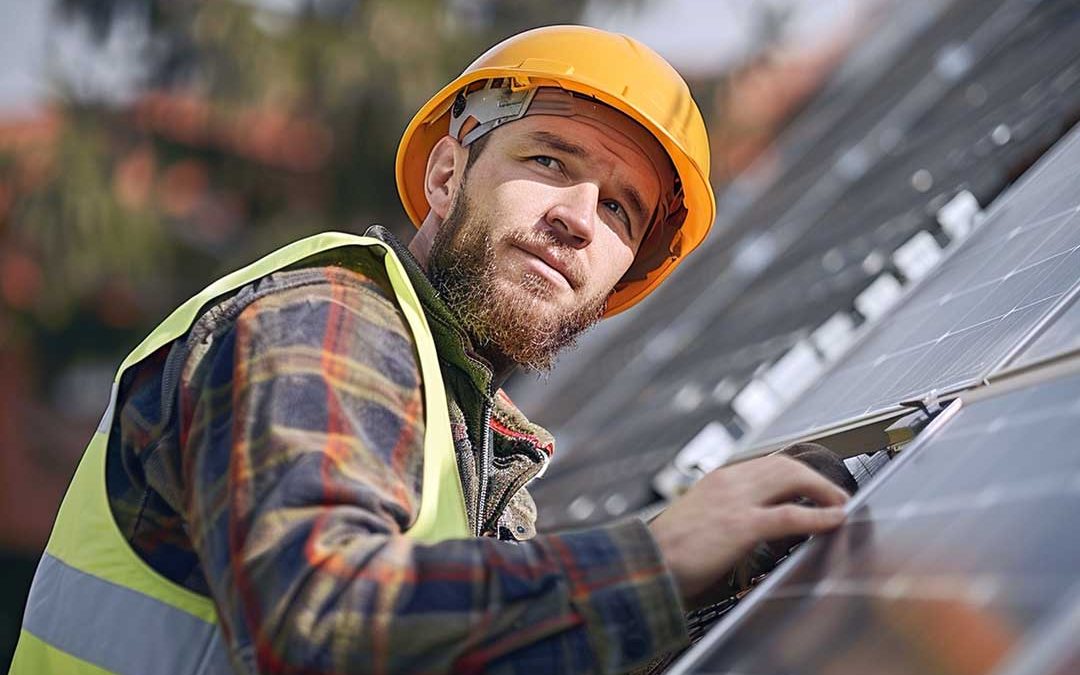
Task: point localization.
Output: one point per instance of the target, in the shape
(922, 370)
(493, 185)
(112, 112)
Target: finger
(786, 520)
(821, 459)
(787, 479)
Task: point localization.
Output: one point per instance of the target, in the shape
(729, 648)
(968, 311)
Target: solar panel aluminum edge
(988, 549)
(955, 326)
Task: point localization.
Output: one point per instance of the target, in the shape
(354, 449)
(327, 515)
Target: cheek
(523, 199)
(611, 259)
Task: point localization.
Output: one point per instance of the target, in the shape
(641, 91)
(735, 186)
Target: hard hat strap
(478, 112)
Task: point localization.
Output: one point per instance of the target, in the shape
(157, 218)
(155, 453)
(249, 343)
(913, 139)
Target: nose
(573, 214)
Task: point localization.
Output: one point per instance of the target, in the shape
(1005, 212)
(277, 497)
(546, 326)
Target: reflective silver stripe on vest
(117, 628)
(105, 425)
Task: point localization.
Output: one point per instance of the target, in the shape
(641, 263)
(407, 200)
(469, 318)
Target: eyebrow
(557, 142)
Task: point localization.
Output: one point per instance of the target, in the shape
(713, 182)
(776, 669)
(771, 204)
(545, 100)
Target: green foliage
(83, 235)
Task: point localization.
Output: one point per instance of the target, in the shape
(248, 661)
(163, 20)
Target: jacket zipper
(485, 464)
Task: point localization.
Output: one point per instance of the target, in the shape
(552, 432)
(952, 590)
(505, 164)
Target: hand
(766, 554)
(707, 530)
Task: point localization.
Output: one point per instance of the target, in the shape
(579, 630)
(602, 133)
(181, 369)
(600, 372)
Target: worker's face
(546, 221)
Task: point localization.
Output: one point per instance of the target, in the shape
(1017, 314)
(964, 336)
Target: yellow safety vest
(94, 605)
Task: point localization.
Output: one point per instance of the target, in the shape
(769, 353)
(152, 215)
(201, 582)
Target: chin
(541, 291)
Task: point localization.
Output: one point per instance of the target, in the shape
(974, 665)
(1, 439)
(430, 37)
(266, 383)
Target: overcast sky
(22, 53)
(704, 37)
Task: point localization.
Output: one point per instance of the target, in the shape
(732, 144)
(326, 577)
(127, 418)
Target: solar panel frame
(1052, 650)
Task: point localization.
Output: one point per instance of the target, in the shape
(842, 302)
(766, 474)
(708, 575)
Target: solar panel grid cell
(1061, 337)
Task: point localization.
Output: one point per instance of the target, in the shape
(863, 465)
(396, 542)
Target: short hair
(476, 148)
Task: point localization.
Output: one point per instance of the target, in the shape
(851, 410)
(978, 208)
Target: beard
(508, 319)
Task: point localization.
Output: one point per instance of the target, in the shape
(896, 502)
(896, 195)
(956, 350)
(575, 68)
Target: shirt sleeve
(302, 429)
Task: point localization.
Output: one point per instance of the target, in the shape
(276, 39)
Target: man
(311, 467)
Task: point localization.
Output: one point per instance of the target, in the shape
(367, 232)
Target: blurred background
(149, 146)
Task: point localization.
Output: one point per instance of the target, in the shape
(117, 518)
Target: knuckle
(799, 519)
(773, 462)
(783, 461)
(790, 515)
(720, 478)
(782, 517)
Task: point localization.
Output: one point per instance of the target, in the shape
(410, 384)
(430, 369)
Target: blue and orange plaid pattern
(272, 460)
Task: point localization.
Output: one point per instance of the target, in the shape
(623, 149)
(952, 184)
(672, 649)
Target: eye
(548, 162)
(617, 209)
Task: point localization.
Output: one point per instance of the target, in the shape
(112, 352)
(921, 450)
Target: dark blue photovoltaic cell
(962, 553)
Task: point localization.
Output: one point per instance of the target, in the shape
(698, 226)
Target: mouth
(548, 264)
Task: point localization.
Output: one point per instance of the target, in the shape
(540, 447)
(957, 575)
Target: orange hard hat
(614, 69)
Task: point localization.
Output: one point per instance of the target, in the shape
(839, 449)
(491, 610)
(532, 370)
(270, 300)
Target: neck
(501, 366)
(423, 240)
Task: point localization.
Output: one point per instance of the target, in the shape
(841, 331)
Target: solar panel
(959, 324)
(963, 558)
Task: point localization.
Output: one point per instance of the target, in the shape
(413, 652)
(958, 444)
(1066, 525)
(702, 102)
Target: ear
(445, 165)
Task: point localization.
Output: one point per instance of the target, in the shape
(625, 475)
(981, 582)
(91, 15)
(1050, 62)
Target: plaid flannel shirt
(272, 459)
